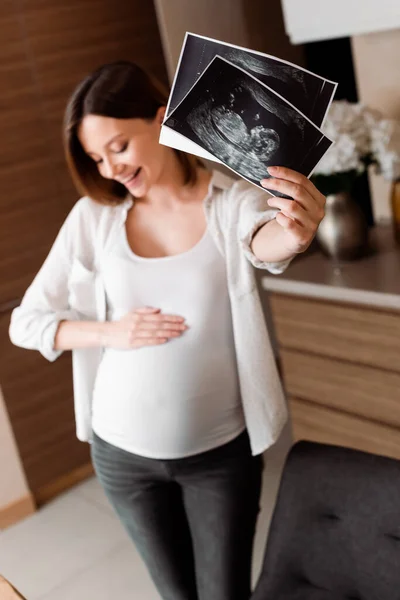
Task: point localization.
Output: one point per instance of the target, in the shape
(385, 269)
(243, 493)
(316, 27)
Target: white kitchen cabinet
(313, 20)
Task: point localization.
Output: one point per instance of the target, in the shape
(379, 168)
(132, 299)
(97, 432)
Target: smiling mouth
(133, 177)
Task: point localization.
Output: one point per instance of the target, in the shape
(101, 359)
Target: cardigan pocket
(83, 291)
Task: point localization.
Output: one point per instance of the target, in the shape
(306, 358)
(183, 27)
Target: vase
(343, 232)
(395, 201)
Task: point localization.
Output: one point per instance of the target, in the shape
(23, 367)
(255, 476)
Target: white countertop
(373, 280)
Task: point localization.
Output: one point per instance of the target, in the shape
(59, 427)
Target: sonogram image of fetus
(259, 140)
(246, 147)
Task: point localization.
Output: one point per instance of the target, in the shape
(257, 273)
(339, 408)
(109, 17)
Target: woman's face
(126, 150)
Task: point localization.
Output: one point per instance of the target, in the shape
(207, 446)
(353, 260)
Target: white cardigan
(69, 287)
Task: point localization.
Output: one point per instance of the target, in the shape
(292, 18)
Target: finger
(298, 178)
(294, 190)
(300, 197)
(294, 210)
(155, 325)
(151, 334)
(144, 310)
(149, 342)
(160, 318)
(289, 225)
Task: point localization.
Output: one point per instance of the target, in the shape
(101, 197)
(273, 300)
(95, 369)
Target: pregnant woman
(150, 283)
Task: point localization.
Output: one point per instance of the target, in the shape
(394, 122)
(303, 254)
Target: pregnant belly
(161, 402)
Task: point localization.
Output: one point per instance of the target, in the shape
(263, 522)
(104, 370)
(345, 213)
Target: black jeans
(193, 520)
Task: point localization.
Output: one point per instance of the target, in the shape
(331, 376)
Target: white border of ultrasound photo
(183, 137)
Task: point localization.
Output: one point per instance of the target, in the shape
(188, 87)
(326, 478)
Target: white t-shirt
(180, 398)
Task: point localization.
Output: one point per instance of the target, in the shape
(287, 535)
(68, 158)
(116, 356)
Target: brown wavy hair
(121, 90)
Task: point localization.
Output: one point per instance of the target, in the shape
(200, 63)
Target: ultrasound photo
(311, 94)
(308, 92)
(246, 125)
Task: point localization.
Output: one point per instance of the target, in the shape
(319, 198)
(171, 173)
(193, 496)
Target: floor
(75, 548)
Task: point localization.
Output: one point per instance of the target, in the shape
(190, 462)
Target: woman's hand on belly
(142, 327)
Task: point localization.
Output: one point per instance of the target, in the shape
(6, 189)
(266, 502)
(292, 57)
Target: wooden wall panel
(46, 48)
(70, 40)
(39, 401)
(29, 216)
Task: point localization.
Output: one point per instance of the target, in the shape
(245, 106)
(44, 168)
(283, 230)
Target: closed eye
(120, 150)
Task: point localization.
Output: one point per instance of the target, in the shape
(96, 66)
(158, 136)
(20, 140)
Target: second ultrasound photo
(246, 125)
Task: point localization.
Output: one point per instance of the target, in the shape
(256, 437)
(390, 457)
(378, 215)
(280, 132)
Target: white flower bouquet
(362, 137)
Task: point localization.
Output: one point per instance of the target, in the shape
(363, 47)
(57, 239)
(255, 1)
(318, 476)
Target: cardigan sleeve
(253, 213)
(46, 302)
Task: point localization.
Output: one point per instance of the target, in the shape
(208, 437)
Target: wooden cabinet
(344, 386)
(346, 332)
(342, 372)
(320, 424)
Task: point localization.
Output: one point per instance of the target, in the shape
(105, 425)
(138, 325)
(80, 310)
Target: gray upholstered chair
(335, 532)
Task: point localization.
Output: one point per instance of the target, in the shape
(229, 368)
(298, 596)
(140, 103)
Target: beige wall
(222, 19)
(13, 484)
(266, 30)
(376, 61)
(257, 24)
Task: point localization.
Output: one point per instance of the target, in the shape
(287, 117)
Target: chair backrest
(335, 531)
